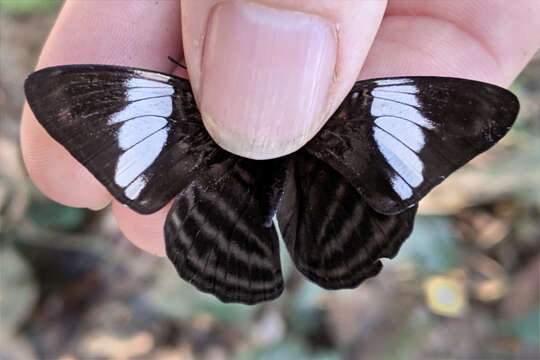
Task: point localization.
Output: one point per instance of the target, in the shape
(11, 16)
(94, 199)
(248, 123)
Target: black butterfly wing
(395, 139)
(333, 236)
(138, 132)
(215, 234)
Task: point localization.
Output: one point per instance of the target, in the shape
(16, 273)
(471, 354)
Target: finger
(55, 172)
(115, 32)
(268, 74)
(463, 39)
(145, 231)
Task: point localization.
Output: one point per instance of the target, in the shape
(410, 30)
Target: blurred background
(464, 286)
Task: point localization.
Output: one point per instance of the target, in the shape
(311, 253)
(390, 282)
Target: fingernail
(266, 75)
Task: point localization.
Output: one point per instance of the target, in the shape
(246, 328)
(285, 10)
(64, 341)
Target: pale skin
(483, 40)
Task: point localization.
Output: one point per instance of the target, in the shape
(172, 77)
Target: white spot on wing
(137, 159)
(381, 107)
(137, 89)
(135, 188)
(408, 89)
(407, 132)
(135, 82)
(152, 75)
(162, 106)
(409, 99)
(135, 130)
(401, 187)
(144, 93)
(402, 159)
(383, 82)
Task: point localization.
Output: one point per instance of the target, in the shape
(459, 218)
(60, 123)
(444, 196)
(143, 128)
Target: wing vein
(398, 139)
(397, 102)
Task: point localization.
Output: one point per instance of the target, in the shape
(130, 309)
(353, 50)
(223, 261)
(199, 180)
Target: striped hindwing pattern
(216, 238)
(138, 132)
(333, 236)
(395, 139)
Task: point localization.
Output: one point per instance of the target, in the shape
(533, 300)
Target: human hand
(255, 70)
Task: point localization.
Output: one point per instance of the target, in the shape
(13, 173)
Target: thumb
(267, 74)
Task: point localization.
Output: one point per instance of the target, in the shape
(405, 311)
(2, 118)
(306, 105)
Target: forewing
(216, 238)
(395, 139)
(333, 236)
(138, 132)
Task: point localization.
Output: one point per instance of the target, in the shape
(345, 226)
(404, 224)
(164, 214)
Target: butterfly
(341, 203)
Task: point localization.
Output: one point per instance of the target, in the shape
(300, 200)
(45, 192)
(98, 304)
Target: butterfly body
(340, 203)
